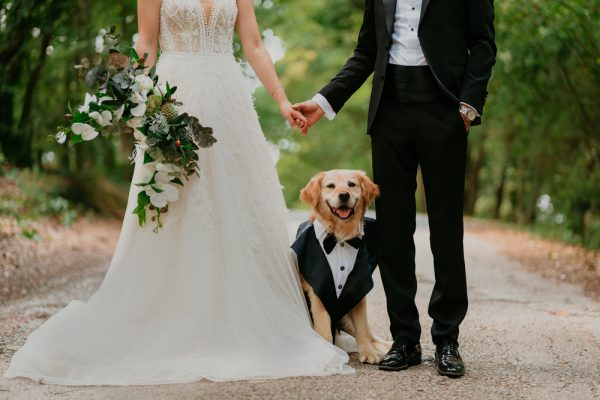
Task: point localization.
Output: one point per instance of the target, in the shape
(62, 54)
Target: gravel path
(525, 337)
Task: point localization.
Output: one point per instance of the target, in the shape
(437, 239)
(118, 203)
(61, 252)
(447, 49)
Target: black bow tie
(330, 242)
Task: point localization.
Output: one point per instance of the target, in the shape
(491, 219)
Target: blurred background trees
(535, 161)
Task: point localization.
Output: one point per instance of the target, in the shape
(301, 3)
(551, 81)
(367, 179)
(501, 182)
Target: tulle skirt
(214, 294)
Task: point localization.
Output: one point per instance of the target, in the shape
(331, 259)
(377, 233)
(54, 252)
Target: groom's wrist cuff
(325, 106)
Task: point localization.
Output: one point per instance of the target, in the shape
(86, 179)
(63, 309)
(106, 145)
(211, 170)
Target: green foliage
(541, 124)
(140, 210)
(40, 41)
(26, 195)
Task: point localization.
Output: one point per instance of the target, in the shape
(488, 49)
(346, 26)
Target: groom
(431, 60)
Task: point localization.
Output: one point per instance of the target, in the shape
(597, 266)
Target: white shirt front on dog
(341, 259)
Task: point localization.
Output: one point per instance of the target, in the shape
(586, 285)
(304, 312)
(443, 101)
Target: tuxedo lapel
(314, 267)
(389, 8)
(424, 5)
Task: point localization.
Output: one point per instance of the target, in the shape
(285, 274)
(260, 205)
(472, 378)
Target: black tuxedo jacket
(457, 38)
(315, 269)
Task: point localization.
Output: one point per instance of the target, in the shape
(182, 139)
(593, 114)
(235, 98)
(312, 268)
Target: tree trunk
(7, 110)
(474, 165)
(24, 132)
(499, 192)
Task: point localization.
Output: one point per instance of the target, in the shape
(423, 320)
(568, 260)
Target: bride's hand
(294, 117)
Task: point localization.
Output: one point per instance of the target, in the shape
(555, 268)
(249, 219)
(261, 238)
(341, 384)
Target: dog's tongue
(344, 212)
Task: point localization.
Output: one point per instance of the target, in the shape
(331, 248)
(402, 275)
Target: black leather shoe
(403, 354)
(448, 359)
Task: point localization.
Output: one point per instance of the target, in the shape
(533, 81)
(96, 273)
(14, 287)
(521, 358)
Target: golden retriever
(339, 200)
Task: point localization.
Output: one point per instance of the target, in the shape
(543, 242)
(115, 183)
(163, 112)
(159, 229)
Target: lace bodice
(186, 26)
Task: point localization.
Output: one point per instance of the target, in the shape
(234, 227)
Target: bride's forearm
(256, 53)
(148, 28)
(261, 63)
(149, 47)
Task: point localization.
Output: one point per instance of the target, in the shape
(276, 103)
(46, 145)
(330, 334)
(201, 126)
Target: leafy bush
(27, 195)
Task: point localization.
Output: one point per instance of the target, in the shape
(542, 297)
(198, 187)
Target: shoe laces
(448, 347)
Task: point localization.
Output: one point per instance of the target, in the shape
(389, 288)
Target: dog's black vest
(315, 269)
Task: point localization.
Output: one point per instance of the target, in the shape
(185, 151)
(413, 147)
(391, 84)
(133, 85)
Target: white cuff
(325, 106)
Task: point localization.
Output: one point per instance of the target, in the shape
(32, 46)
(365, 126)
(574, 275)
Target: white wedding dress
(214, 294)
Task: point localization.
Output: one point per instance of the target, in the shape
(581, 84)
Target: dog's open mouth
(342, 212)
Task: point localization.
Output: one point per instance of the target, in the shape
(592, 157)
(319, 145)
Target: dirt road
(525, 337)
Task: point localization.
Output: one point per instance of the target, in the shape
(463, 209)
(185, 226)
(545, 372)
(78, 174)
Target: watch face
(471, 115)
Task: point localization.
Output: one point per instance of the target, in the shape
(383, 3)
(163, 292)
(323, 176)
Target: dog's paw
(369, 355)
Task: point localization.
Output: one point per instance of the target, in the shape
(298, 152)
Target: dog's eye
(351, 184)
(331, 186)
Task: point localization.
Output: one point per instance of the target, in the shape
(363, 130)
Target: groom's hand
(312, 111)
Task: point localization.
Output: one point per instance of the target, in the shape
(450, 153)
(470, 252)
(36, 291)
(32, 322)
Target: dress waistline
(195, 54)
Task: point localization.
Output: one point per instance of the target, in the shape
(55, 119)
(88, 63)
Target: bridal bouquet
(127, 101)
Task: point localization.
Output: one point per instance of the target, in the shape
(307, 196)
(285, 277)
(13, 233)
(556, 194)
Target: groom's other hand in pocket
(312, 111)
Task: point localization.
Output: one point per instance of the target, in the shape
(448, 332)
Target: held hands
(293, 117)
(311, 111)
(301, 115)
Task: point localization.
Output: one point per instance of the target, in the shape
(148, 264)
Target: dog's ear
(311, 194)
(369, 189)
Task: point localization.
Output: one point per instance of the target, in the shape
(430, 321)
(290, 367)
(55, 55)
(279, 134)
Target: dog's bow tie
(330, 242)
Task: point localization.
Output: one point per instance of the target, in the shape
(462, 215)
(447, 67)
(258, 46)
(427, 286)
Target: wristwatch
(469, 112)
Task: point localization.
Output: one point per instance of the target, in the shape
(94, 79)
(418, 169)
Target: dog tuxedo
(340, 273)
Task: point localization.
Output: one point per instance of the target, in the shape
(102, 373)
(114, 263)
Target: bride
(214, 295)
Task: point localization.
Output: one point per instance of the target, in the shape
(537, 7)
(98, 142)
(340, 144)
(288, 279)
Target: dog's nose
(344, 197)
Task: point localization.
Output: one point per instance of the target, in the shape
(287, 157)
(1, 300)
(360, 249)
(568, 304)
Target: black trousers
(417, 125)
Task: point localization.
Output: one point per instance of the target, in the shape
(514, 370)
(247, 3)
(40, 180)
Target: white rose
(144, 82)
(87, 132)
(103, 119)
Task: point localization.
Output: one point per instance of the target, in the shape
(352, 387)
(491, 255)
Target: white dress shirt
(341, 259)
(405, 50)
